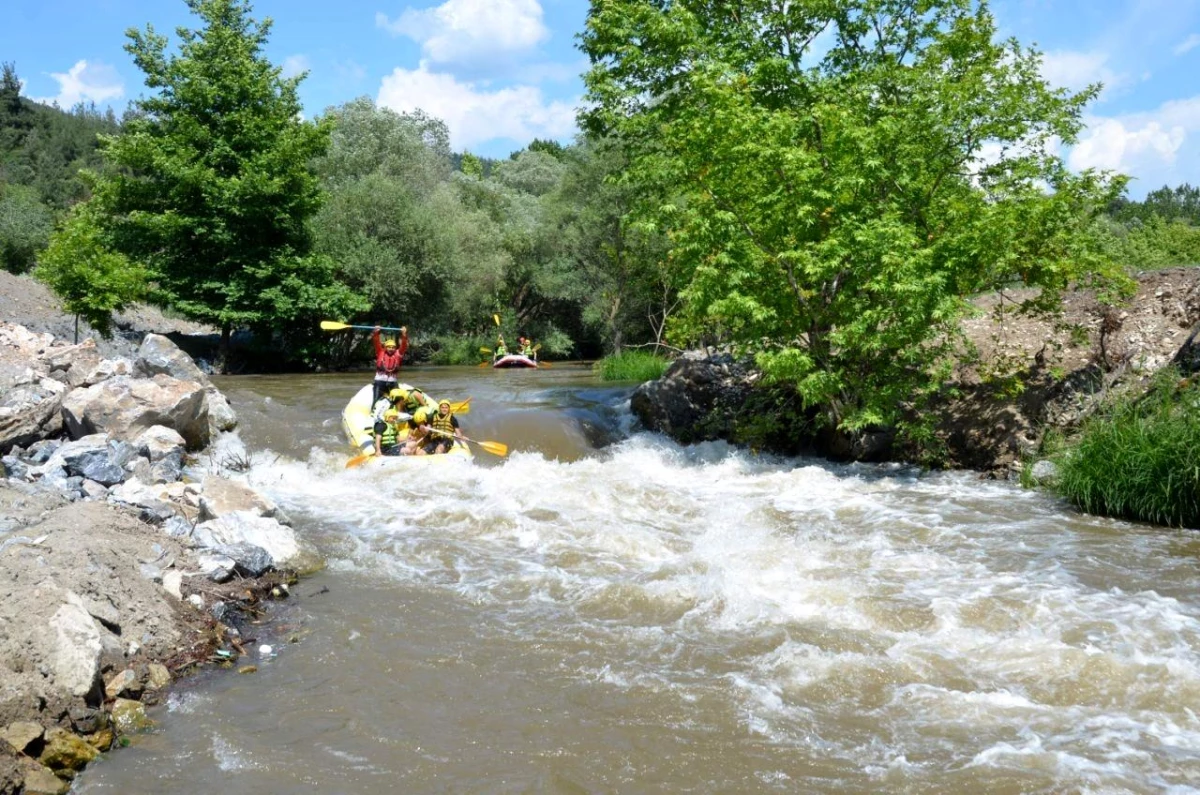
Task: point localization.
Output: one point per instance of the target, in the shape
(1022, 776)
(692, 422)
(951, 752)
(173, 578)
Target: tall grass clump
(1139, 458)
(631, 366)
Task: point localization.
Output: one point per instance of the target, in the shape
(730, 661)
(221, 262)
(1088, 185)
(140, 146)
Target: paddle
(359, 460)
(495, 448)
(333, 325)
(488, 351)
(497, 319)
(461, 408)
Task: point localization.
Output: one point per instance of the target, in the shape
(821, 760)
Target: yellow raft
(359, 428)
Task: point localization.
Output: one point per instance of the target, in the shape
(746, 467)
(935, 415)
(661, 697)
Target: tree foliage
(25, 226)
(212, 189)
(839, 205)
(92, 280)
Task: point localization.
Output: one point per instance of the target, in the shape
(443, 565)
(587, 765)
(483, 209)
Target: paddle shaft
(332, 326)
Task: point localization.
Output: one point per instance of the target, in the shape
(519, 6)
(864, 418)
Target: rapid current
(604, 611)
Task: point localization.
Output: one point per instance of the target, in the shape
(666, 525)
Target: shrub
(631, 366)
(1139, 458)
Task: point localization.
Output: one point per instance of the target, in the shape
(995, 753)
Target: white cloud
(1148, 146)
(467, 31)
(1191, 42)
(1078, 70)
(295, 64)
(86, 82)
(474, 115)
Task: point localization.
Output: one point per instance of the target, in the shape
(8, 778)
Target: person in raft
(501, 348)
(445, 428)
(526, 348)
(420, 434)
(387, 434)
(410, 400)
(387, 362)
(392, 400)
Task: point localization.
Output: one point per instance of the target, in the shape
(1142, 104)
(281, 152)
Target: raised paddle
(495, 448)
(333, 325)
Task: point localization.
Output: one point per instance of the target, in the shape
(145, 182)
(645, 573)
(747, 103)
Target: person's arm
(378, 343)
(378, 438)
(403, 343)
(454, 424)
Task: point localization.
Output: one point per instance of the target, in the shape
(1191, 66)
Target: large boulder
(220, 497)
(159, 356)
(30, 412)
(73, 364)
(695, 396)
(95, 457)
(123, 407)
(245, 527)
(220, 414)
(75, 660)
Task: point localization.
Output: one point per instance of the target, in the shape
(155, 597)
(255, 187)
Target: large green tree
(851, 171)
(212, 188)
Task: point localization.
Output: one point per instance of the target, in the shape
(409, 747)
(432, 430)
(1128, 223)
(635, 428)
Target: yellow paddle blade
(333, 325)
(486, 351)
(461, 408)
(495, 448)
(359, 460)
(537, 347)
(497, 319)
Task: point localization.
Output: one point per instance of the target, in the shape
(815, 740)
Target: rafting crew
(525, 347)
(388, 358)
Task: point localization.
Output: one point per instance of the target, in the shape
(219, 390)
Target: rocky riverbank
(1017, 379)
(124, 561)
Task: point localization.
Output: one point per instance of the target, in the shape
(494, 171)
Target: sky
(502, 72)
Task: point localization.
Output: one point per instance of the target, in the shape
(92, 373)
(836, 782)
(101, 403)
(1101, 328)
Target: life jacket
(390, 436)
(501, 350)
(441, 423)
(417, 399)
(527, 349)
(388, 364)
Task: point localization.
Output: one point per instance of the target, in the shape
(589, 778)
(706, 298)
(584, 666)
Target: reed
(631, 366)
(1139, 458)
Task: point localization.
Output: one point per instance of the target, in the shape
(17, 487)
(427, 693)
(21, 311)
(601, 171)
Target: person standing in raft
(501, 348)
(387, 434)
(387, 362)
(445, 428)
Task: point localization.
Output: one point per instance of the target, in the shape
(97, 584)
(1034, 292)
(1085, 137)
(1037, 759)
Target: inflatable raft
(360, 429)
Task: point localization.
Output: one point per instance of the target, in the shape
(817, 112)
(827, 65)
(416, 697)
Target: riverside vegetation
(832, 214)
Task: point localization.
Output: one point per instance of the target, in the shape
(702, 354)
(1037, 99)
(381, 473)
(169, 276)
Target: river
(604, 611)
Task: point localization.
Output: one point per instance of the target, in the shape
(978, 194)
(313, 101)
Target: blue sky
(501, 72)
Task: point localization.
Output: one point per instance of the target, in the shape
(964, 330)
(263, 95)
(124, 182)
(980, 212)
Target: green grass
(631, 366)
(1139, 458)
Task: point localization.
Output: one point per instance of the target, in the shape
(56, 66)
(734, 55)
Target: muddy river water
(604, 611)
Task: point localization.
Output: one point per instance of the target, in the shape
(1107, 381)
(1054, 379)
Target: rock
(101, 740)
(125, 683)
(123, 407)
(249, 560)
(158, 676)
(130, 716)
(158, 355)
(693, 389)
(196, 601)
(106, 369)
(221, 496)
(29, 413)
(73, 364)
(66, 751)
(245, 527)
(85, 720)
(21, 734)
(1044, 472)
(155, 503)
(76, 656)
(220, 414)
(93, 490)
(172, 581)
(40, 452)
(248, 669)
(14, 467)
(168, 470)
(40, 780)
(158, 442)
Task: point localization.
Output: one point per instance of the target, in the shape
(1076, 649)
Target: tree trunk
(76, 328)
(223, 350)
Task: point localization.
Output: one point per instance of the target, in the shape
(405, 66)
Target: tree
(25, 226)
(839, 205)
(92, 280)
(212, 187)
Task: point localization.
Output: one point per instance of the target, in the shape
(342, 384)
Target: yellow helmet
(397, 394)
(421, 417)
(443, 403)
(389, 343)
(391, 414)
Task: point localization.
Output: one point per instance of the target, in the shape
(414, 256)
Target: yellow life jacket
(389, 437)
(441, 423)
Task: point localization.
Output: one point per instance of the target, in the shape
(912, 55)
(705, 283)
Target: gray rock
(14, 467)
(123, 407)
(158, 442)
(221, 416)
(29, 413)
(76, 656)
(177, 526)
(93, 490)
(243, 527)
(1044, 472)
(40, 452)
(249, 560)
(168, 470)
(158, 355)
